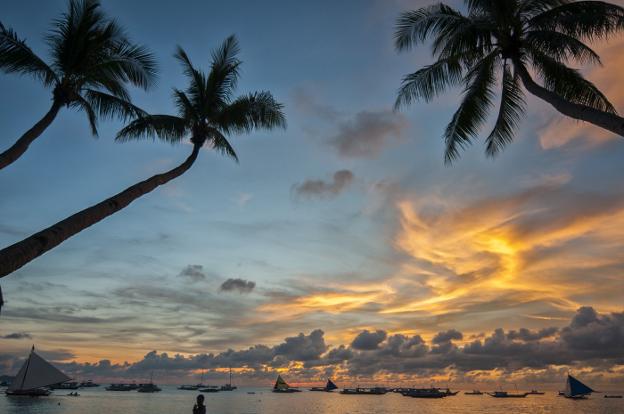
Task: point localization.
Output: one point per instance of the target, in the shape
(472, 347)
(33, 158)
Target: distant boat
(329, 387)
(188, 387)
(121, 387)
(425, 393)
(613, 396)
(228, 386)
(505, 394)
(575, 389)
(364, 391)
(88, 384)
(34, 376)
(282, 387)
(65, 386)
(473, 392)
(210, 388)
(536, 392)
(150, 387)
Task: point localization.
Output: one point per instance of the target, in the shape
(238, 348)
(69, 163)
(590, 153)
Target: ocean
(173, 401)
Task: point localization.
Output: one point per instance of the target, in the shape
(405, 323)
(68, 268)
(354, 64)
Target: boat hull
(38, 392)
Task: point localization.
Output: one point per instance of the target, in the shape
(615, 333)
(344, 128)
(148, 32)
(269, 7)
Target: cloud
(240, 285)
(368, 340)
(194, 272)
(368, 133)
(341, 180)
(17, 335)
(451, 334)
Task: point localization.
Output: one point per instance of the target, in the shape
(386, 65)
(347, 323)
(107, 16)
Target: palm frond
(531, 8)
(429, 82)
(224, 72)
(471, 39)
(166, 127)
(126, 63)
(512, 107)
(561, 47)
(569, 83)
(17, 57)
(589, 20)
(252, 111)
(197, 84)
(110, 106)
(473, 110)
(415, 26)
(186, 109)
(221, 144)
(82, 104)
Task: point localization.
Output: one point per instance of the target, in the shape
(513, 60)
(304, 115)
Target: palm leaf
(569, 83)
(109, 106)
(561, 47)
(221, 144)
(82, 104)
(415, 26)
(166, 127)
(473, 109)
(224, 73)
(429, 82)
(17, 57)
(582, 19)
(512, 107)
(252, 111)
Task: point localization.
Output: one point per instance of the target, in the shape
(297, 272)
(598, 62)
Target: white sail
(37, 372)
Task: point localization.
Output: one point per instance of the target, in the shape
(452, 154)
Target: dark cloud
(526, 335)
(194, 272)
(368, 340)
(240, 285)
(366, 135)
(17, 335)
(302, 347)
(451, 334)
(325, 189)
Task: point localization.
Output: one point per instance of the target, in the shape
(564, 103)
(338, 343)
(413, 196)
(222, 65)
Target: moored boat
(228, 386)
(329, 387)
(35, 376)
(282, 386)
(473, 392)
(425, 393)
(576, 390)
(612, 396)
(121, 387)
(210, 388)
(505, 394)
(88, 384)
(536, 392)
(72, 385)
(149, 387)
(364, 391)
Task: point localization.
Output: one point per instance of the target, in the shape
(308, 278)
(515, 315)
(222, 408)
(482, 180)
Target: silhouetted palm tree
(207, 113)
(503, 40)
(92, 61)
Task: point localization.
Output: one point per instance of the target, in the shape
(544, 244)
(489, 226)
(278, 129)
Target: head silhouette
(200, 399)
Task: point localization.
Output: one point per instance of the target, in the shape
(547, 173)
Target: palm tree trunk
(17, 255)
(610, 122)
(21, 145)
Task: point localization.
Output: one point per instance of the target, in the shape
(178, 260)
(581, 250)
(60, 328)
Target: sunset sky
(341, 246)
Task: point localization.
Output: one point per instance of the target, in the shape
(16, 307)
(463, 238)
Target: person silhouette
(199, 407)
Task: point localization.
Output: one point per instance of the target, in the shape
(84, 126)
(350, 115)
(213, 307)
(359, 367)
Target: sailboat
(282, 386)
(228, 386)
(575, 389)
(329, 387)
(34, 376)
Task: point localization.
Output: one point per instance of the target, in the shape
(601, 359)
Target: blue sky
(337, 254)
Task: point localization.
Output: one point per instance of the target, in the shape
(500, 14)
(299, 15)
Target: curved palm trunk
(17, 255)
(21, 145)
(610, 122)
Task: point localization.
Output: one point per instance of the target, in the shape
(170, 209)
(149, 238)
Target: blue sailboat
(329, 387)
(575, 389)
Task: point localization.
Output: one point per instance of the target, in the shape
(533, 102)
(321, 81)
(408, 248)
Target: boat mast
(27, 366)
(230, 376)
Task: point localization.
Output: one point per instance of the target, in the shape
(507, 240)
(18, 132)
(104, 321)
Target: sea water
(173, 401)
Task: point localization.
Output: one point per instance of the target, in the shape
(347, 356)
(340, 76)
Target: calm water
(172, 401)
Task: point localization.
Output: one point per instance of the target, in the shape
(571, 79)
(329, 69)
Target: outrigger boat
(576, 390)
(228, 386)
(35, 376)
(536, 392)
(425, 393)
(505, 394)
(329, 387)
(282, 386)
(364, 391)
(121, 387)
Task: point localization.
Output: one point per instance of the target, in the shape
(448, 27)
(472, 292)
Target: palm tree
(91, 62)
(504, 41)
(207, 113)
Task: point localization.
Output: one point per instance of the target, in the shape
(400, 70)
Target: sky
(341, 246)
